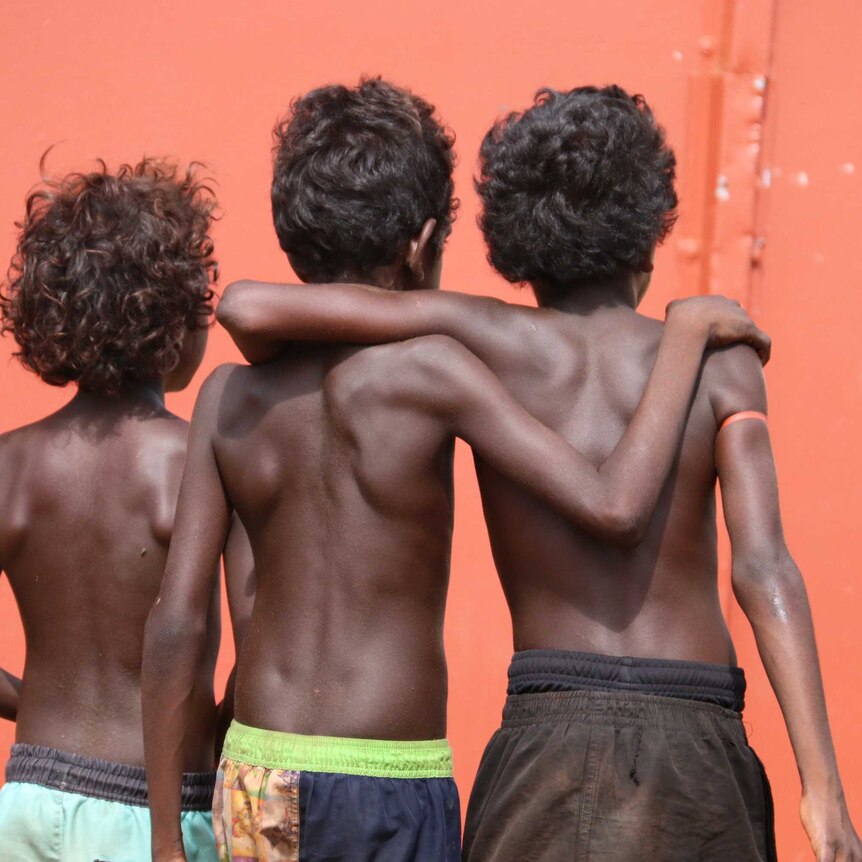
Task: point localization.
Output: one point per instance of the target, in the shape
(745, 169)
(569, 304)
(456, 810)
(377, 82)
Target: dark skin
(338, 460)
(581, 365)
(87, 502)
(240, 585)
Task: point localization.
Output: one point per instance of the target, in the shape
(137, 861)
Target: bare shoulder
(391, 366)
(507, 336)
(424, 371)
(17, 443)
(162, 445)
(12, 444)
(216, 382)
(225, 382)
(733, 380)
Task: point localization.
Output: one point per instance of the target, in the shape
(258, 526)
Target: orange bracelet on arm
(744, 414)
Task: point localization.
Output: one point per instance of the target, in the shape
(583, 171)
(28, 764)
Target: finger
(765, 351)
(762, 343)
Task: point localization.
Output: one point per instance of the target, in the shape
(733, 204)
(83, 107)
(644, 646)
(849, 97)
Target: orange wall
(199, 80)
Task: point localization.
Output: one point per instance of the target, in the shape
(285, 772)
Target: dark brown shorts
(611, 777)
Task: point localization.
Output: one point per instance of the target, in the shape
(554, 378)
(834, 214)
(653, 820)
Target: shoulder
(18, 442)
(160, 455)
(733, 380)
(430, 358)
(215, 382)
(10, 446)
(218, 384)
(505, 335)
(417, 371)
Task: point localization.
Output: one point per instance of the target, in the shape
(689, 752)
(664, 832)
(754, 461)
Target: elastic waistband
(619, 710)
(376, 758)
(100, 779)
(539, 670)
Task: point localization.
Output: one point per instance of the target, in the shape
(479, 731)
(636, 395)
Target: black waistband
(101, 779)
(539, 670)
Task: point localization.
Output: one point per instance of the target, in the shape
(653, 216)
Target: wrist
(687, 328)
(682, 315)
(167, 847)
(823, 788)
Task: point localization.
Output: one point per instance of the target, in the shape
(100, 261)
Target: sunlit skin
(581, 367)
(338, 460)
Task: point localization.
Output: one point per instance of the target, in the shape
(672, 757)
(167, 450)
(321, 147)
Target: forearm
(776, 604)
(172, 652)
(10, 692)
(634, 474)
(261, 318)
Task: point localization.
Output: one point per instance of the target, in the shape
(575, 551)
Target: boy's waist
(540, 671)
(376, 758)
(100, 779)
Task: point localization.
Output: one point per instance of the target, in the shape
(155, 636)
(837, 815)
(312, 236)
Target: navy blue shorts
(288, 798)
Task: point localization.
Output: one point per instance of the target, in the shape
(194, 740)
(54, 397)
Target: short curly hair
(357, 171)
(111, 271)
(577, 188)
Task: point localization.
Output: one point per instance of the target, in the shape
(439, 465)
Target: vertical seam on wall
(763, 170)
(741, 128)
(725, 193)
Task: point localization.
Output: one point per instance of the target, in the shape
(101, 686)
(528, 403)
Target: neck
(132, 398)
(587, 297)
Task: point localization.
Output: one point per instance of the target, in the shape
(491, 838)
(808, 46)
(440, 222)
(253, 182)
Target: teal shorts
(58, 807)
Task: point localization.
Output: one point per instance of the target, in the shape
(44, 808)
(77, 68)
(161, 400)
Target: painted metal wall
(758, 97)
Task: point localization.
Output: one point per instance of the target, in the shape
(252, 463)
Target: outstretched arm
(262, 317)
(175, 636)
(769, 588)
(614, 500)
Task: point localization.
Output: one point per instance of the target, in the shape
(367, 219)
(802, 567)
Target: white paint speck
(848, 168)
(722, 192)
(678, 56)
(760, 83)
(801, 179)
(766, 178)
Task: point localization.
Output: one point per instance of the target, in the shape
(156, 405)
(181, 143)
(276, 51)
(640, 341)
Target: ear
(649, 263)
(416, 249)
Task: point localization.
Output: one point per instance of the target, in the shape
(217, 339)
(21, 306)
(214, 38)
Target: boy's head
(110, 286)
(577, 189)
(362, 186)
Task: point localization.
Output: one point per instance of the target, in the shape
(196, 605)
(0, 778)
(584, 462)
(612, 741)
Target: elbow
(232, 310)
(768, 581)
(624, 527)
(172, 642)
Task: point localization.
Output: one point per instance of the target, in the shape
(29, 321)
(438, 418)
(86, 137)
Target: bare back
(87, 500)
(583, 376)
(347, 500)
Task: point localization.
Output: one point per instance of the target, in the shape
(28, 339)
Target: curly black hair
(577, 188)
(357, 172)
(110, 273)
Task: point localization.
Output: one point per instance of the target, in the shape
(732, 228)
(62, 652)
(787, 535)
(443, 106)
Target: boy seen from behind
(110, 290)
